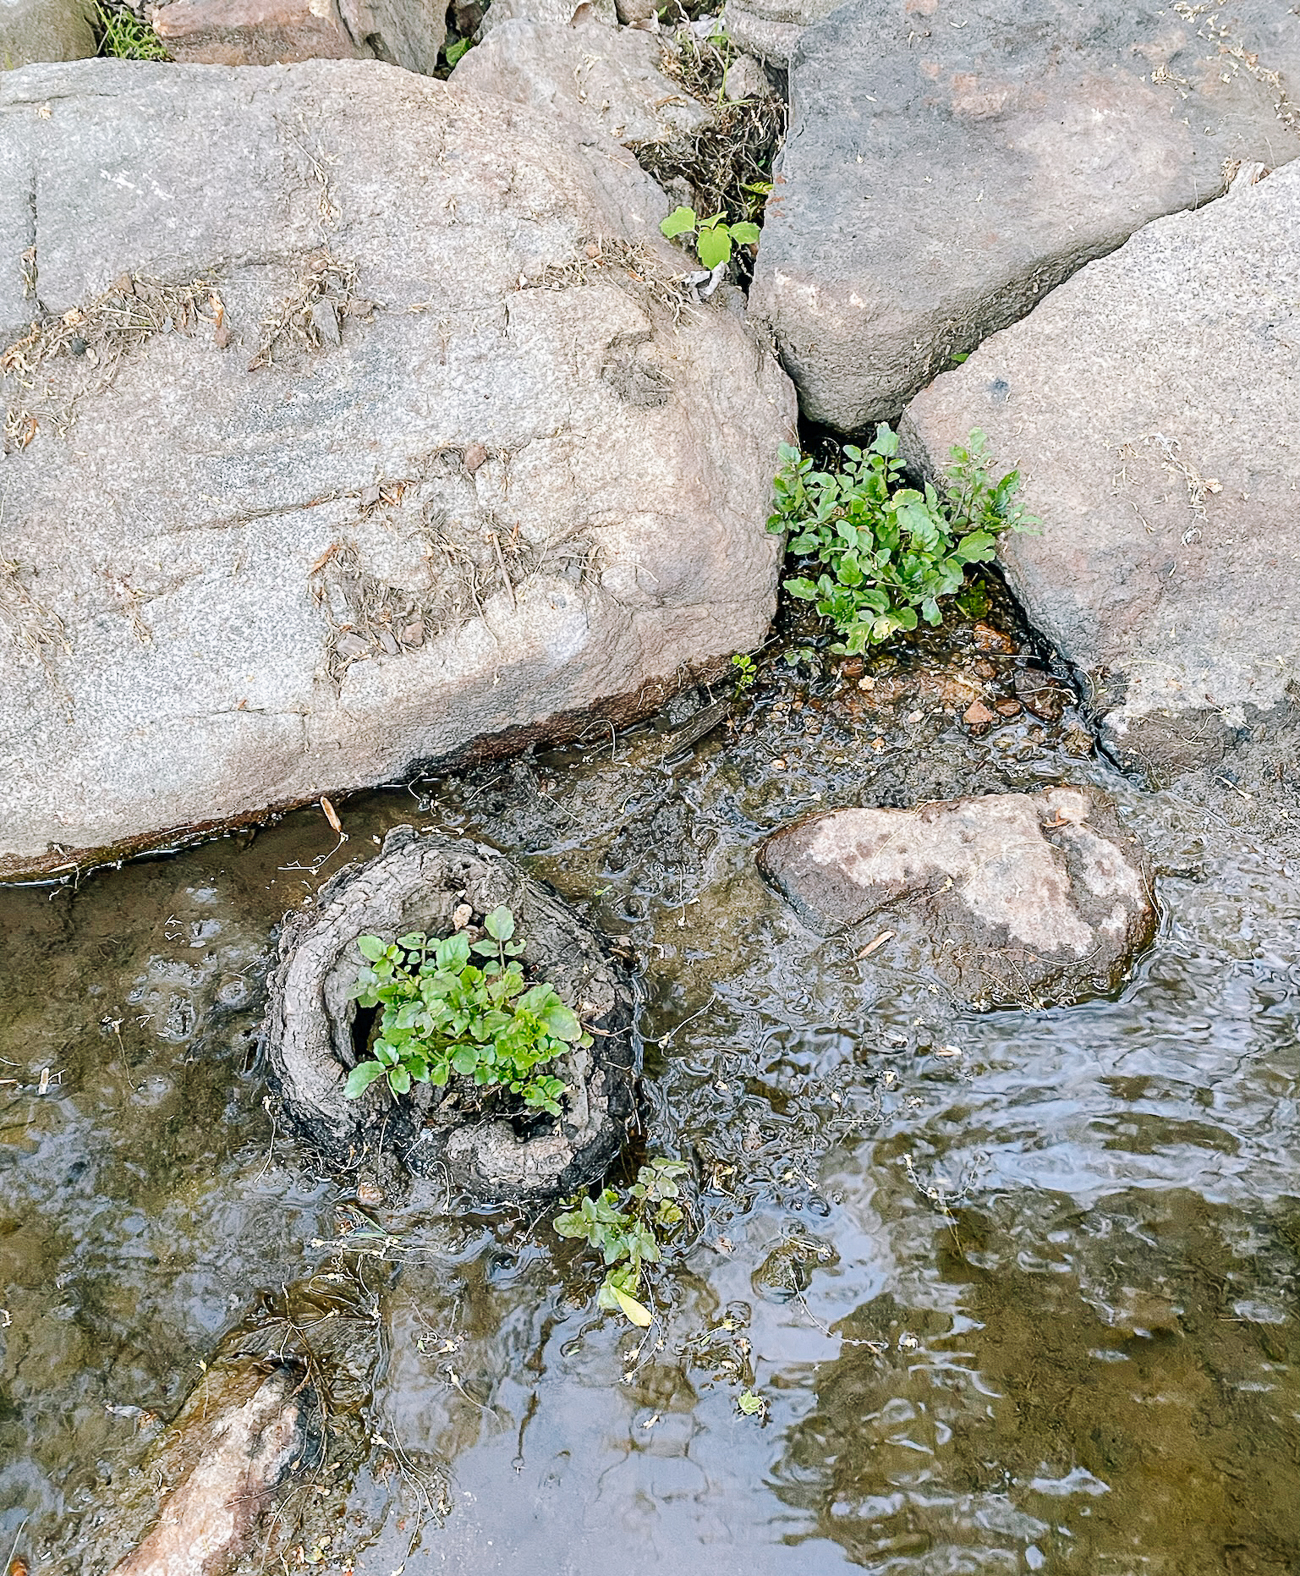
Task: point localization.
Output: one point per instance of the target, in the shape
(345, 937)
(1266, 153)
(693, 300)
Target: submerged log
(496, 1149)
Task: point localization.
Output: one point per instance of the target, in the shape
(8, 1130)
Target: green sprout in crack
(885, 552)
(713, 238)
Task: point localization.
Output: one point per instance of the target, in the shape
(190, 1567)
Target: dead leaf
(880, 940)
(639, 1314)
(331, 815)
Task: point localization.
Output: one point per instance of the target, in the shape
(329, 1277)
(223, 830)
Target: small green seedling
(887, 552)
(444, 1015)
(456, 50)
(627, 1232)
(713, 238)
(746, 672)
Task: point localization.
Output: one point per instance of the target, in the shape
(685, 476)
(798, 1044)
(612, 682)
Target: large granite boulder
(1153, 405)
(406, 33)
(1013, 899)
(362, 421)
(36, 30)
(947, 165)
(606, 80)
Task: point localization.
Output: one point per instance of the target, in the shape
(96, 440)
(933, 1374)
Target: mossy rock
(493, 1149)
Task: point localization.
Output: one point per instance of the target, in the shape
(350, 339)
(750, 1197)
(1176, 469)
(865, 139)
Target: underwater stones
(1153, 405)
(1012, 899)
(243, 1429)
(384, 436)
(430, 883)
(607, 81)
(948, 165)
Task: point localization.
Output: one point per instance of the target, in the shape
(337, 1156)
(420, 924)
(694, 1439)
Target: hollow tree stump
(502, 1151)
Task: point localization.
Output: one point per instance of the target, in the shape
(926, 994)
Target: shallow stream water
(1017, 1290)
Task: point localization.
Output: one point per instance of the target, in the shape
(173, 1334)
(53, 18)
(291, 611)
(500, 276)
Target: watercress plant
(443, 1015)
(627, 1233)
(887, 552)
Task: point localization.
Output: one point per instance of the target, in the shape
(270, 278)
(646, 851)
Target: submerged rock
(604, 80)
(1012, 899)
(1153, 405)
(243, 1429)
(947, 166)
(362, 422)
(419, 883)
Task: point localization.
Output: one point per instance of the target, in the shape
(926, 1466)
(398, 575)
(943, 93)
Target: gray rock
(746, 79)
(1011, 899)
(256, 507)
(772, 28)
(1153, 404)
(604, 79)
(558, 12)
(41, 30)
(945, 168)
(406, 33)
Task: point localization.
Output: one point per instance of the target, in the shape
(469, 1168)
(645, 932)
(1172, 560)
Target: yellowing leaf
(639, 1314)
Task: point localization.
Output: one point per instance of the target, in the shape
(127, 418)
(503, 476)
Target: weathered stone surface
(1009, 899)
(243, 563)
(604, 79)
(406, 33)
(559, 13)
(772, 28)
(1153, 404)
(499, 1152)
(254, 32)
(37, 30)
(948, 165)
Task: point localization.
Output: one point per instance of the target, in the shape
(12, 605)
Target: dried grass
(61, 360)
(631, 265)
(734, 151)
(313, 312)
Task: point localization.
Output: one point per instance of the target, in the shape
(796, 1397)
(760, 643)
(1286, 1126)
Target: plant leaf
(361, 1077)
(371, 948)
(678, 222)
(500, 923)
(639, 1314)
(714, 246)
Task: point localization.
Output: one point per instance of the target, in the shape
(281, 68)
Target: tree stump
(495, 1148)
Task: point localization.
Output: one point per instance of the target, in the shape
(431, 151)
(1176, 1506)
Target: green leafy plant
(889, 552)
(459, 48)
(746, 671)
(713, 238)
(751, 1404)
(126, 37)
(627, 1232)
(444, 1015)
